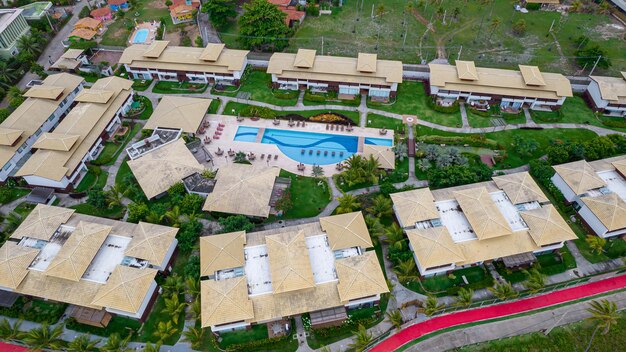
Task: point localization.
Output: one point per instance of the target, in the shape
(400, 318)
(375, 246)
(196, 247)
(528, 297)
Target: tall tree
(406, 270)
(165, 330)
(503, 291)
(173, 307)
(262, 26)
(220, 11)
(381, 206)
(362, 339)
(45, 337)
(7, 74)
(395, 318)
(432, 306)
(596, 243)
(29, 44)
(394, 236)
(494, 24)
(115, 343)
(83, 343)
(347, 204)
(10, 332)
(317, 171)
(464, 297)
(194, 337)
(604, 315)
(535, 280)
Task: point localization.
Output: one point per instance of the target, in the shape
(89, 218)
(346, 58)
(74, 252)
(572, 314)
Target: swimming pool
(246, 134)
(379, 141)
(141, 35)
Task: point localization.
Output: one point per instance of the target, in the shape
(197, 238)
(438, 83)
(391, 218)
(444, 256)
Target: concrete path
(529, 118)
(464, 119)
(303, 346)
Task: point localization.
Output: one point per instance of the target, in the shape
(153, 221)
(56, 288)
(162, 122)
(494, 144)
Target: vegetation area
(233, 108)
(113, 148)
(379, 121)
(576, 110)
(257, 85)
(307, 196)
(35, 310)
(95, 178)
(169, 87)
(10, 193)
(118, 325)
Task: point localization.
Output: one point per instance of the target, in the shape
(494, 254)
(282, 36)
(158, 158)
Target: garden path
(464, 119)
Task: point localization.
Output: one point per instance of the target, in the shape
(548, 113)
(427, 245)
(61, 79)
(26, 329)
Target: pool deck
(226, 141)
(152, 30)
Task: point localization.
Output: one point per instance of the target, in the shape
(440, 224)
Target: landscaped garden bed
(140, 109)
(446, 285)
(330, 97)
(35, 310)
(118, 325)
(95, 178)
(140, 85)
(309, 196)
(9, 194)
(167, 87)
(112, 149)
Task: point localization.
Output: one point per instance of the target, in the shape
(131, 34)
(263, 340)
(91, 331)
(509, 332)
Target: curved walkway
(501, 310)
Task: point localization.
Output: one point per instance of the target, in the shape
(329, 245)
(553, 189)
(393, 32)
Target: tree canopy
(220, 11)
(262, 26)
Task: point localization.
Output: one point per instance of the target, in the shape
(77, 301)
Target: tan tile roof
(225, 301)
(88, 120)
(482, 213)
(579, 176)
(14, 263)
(289, 263)
(78, 251)
(334, 69)
(242, 189)
(360, 276)
(219, 252)
(414, 206)
(151, 242)
(384, 154)
(80, 293)
(42, 222)
(520, 187)
(160, 55)
(612, 89)
(72, 53)
(434, 247)
(126, 289)
(212, 52)
(366, 62)
(610, 209)
(88, 22)
(56, 141)
(83, 33)
(305, 58)
(546, 226)
(33, 112)
(620, 165)
(8, 136)
(44, 92)
(346, 231)
(466, 70)
(500, 82)
(92, 95)
(160, 169)
(179, 112)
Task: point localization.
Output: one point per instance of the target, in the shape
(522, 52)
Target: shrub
(84, 12)
(137, 212)
(4, 113)
(474, 141)
(185, 41)
(312, 10)
(235, 223)
(285, 94)
(258, 111)
(188, 235)
(97, 198)
(191, 203)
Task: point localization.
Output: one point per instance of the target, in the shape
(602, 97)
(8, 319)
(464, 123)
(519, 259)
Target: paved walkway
(501, 310)
(464, 119)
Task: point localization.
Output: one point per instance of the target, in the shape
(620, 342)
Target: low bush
(258, 111)
(473, 140)
(285, 94)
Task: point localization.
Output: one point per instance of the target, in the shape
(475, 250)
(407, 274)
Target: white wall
(568, 193)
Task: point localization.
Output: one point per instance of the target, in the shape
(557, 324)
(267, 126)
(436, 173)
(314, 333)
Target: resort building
(183, 11)
(267, 277)
(36, 11)
(44, 106)
(608, 95)
(213, 64)
(251, 190)
(98, 266)
(598, 191)
(384, 154)
(12, 27)
(508, 218)
(70, 61)
(183, 113)
(61, 156)
(511, 90)
(347, 76)
(102, 14)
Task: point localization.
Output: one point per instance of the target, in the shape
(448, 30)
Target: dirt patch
(155, 4)
(112, 57)
(175, 37)
(609, 30)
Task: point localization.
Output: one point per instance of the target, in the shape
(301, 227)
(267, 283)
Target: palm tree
(604, 8)
(173, 307)
(173, 216)
(464, 297)
(596, 243)
(7, 74)
(152, 348)
(45, 337)
(395, 318)
(194, 337)
(83, 343)
(154, 218)
(317, 171)
(394, 236)
(406, 270)
(495, 23)
(535, 280)
(371, 169)
(347, 204)
(375, 228)
(240, 158)
(503, 291)
(12, 222)
(604, 315)
(380, 10)
(165, 330)
(29, 44)
(432, 306)
(10, 332)
(115, 196)
(14, 92)
(381, 206)
(576, 6)
(362, 339)
(116, 344)
(196, 308)
(193, 286)
(173, 285)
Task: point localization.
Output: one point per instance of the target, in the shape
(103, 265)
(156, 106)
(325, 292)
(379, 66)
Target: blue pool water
(246, 134)
(312, 148)
(379, 141)
(141, 36)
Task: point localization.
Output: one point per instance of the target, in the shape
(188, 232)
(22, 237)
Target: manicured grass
(329, 98)
(412, 100)
(88, 209)
(574, 110)
(443, 285)
(141, 85)
(93, 180)
(257, 332)
(233, 108)
(167, 87)
(118, 324)
(89, 77)
(215, 105)
(119, 31)
(147, 111)
(35, 310)
(379, 121)
(308, 197)
(476, 120)
(7, 195)
(112, 150)
(258, 85)
(122, 172)
(513, 159)
(23, 209)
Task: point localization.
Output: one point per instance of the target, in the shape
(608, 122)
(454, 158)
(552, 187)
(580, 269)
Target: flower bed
(331, 118)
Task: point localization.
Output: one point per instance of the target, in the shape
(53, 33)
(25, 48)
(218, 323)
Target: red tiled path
(445, 321)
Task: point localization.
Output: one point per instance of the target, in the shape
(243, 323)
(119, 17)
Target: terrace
(454, 220)
(111, 254)
(159, 138)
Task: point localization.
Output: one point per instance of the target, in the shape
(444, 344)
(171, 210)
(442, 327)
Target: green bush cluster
(285, 94)
(314, 98)
(600, 147)
(258, 111)
(473, 140)
(264, 344)
(35, 310)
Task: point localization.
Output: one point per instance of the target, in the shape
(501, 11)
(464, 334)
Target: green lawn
(574, 110)
(513, 159)
(7, 195)
(331, 98)
(93, 180)
(119, 31)
(443, 285)
(475, 120)
(412, 100)
(35, 310)
(257, 332)
(88, 209)
(233, 108)
(308, 198)
(379, 121)
(571, 337)
(118, 324)
(23, 209)
(147, 111)
(258, 85)
(168, 87)
(112, 150)
(215, 105)
(141, 85)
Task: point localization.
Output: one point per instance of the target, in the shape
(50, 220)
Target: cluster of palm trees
(173, 287)
(30, 47)
(361, 170)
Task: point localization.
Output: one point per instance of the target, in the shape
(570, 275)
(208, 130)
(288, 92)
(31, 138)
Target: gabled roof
(100, 12)
(156, 49)
(414, 206)
(73, 53)
(579, 176)
(482, 213)
(14, 263)
(42, 222)
(88, 22)
(83, 33)
(151, 242)
(179, 112)
(44, 92)
(125, 289)
(610, 209)
(520, 187)
(384, 154)
(225, 301)
(360, 276)
(290, 266)
(160, 169)
(8, 136)
(219, 252)
(346, 231)
(434, 247)
(78, 251)
(546, 226)
(242, 189)
(56, 141)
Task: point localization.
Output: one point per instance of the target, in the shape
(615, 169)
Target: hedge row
(474, 141)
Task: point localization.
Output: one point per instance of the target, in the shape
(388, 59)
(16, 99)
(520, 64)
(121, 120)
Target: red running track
(445, 321)
(5, 347)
